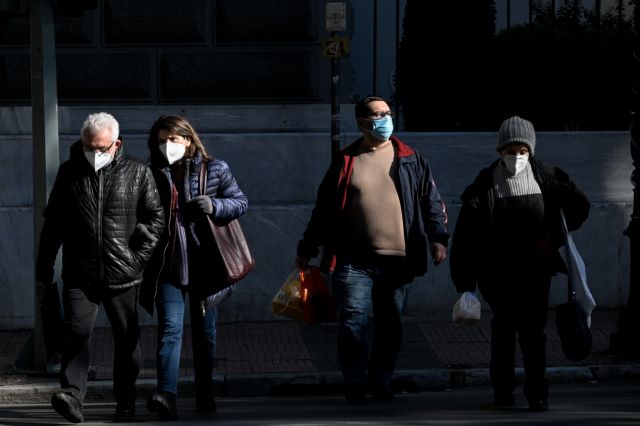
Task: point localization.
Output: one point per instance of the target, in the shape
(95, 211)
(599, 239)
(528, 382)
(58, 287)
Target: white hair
(99, 121)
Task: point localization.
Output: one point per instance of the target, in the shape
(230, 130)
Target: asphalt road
(590, 404)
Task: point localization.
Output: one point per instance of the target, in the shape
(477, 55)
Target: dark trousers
(80, 310)
(519, 304)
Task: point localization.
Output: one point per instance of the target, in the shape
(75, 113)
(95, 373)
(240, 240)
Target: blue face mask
(382, 128)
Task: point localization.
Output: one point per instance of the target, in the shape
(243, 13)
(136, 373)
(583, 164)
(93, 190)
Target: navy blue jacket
(423, 211)
(229, 202)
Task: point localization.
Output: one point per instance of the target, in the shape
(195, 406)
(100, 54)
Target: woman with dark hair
(181, 267)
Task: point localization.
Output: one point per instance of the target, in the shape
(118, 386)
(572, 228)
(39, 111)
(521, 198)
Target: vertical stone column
(44, 117)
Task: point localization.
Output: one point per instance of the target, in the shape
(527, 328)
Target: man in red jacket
(377, 213)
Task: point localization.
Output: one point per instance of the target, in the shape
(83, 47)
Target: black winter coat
(474, 258)
(93, 216)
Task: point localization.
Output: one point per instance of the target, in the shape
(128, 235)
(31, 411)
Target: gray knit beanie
(516, 130)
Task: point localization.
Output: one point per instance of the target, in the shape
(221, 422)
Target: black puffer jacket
(93, 215)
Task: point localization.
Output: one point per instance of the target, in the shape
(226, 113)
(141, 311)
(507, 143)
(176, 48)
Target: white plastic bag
(466, 308)
(577, 273)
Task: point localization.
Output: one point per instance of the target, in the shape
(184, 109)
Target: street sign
(336, 16)
(335, 47)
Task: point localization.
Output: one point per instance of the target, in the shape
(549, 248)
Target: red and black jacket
(423, 210)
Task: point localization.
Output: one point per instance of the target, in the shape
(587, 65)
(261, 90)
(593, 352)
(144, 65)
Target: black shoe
(206, 405)
(164, 405)
(355, 393)
(382, 393)
(126, 409)
(68, 406)
(503, 400)
(538, 405)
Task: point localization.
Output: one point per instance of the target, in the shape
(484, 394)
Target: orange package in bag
(288, 300)
(305, 296)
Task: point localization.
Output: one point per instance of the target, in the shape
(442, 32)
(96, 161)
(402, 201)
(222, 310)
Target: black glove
(200, 204)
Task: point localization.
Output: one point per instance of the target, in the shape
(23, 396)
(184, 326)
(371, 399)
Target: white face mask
(98, 159)
(172, 151)
(515, 163)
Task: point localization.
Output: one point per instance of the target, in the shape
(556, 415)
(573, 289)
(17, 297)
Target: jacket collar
(402, 150)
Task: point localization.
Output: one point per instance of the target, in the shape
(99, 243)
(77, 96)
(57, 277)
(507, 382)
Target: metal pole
(375, 48)
(44, 115)
(396, 80)
(335, 104)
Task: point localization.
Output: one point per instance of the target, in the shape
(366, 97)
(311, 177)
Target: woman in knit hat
(506, 242)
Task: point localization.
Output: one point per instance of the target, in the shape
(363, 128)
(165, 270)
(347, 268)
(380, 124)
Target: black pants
(519, 303)
(80, 311)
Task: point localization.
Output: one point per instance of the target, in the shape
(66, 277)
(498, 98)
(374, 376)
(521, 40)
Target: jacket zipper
(164, 250)
(100, 199)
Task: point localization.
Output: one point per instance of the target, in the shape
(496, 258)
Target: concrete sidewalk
(289, 358)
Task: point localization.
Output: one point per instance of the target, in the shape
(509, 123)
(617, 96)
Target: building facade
(251, 76)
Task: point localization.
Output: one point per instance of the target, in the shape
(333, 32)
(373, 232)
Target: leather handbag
(231, 256)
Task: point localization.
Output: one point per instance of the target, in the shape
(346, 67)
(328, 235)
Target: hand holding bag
(231, 255)
(572, 318)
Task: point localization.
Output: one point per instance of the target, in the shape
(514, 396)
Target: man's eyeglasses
(101, 150)
(379, 115)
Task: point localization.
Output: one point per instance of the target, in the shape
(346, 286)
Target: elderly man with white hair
(104, 211)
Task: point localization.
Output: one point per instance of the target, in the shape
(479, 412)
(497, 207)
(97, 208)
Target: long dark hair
(179, 126)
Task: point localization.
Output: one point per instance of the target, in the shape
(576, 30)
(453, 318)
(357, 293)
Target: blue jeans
(170, 303)
(359, 286)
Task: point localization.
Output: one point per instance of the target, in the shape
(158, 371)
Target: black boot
(68, 406)
(355, 393)
(125, 409)
(206, 405)
(538, 405)
(164, 405)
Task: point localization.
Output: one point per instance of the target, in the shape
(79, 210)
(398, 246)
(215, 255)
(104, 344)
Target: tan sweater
(374, 212)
